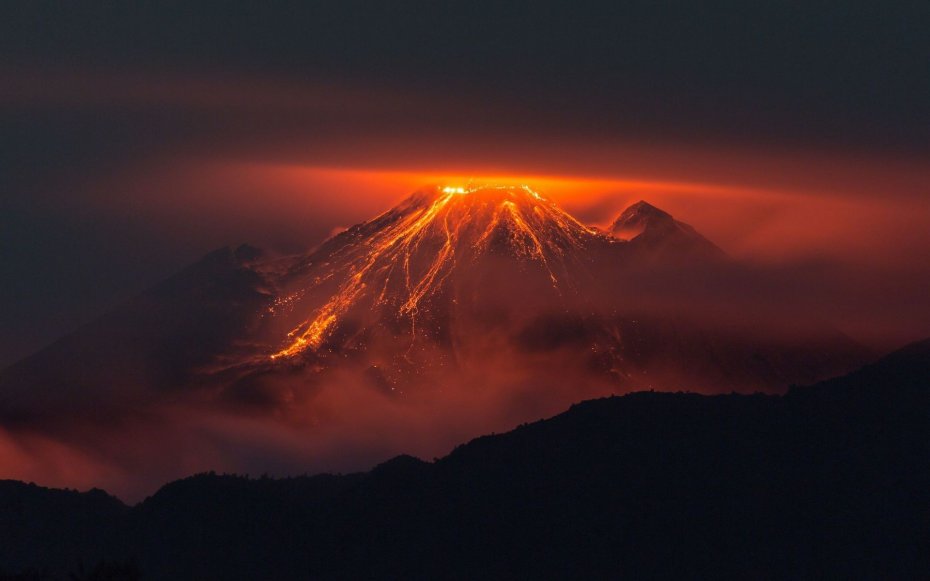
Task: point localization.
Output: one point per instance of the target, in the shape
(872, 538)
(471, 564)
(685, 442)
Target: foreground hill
(827, 481)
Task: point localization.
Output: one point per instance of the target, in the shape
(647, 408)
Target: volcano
(450, 279)
(460, 311)
(439, 251)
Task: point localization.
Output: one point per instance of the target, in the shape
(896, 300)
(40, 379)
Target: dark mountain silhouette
(831, 480)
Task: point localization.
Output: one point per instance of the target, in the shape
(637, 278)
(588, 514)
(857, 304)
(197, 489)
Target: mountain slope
(151, 345)
(820, 482)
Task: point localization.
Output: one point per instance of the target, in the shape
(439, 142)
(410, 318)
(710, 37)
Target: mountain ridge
(644, 484)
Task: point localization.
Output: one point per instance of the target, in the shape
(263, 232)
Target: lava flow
(402, 258)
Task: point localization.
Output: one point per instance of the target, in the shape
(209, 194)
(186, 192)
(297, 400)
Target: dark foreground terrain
(828, 481)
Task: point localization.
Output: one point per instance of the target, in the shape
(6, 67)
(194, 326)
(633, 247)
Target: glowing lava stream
(537, 229)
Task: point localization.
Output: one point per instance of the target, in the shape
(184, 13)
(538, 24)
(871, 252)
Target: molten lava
(403, 258)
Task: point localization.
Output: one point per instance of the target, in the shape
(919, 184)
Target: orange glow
(564, 185)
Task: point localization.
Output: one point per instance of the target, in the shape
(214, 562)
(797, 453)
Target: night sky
(136, 138)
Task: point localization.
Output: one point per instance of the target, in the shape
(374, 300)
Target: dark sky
(105, 109)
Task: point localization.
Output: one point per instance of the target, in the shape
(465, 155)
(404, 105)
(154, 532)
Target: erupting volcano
(407, 265)
(485, 281)
(461, 310)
